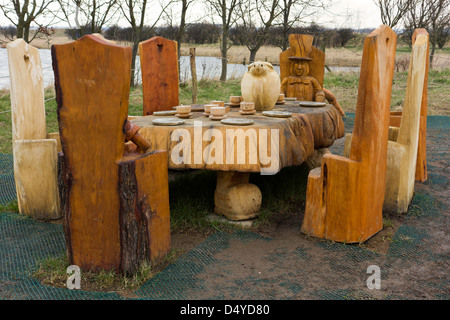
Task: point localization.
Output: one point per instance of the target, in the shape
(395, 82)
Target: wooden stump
(193, 74)
(115, 203)
(315, 161)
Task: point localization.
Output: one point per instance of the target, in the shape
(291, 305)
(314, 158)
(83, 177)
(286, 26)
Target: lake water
(207, 68)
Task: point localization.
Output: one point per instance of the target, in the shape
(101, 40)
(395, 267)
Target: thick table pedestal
(236, 198)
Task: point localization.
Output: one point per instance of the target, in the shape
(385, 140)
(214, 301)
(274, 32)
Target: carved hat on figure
(302, 50)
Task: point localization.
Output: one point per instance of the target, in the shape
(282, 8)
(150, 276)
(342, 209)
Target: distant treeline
(208, 33)
(199, 33)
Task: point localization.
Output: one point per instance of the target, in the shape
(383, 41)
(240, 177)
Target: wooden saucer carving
(218, 117)
(312, 104)
(277, 114)
(165, 113)
(167, 122)
(247, 112)
(237, 121)
(183, 115)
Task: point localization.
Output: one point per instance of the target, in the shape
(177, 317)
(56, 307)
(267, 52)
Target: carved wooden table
(234, 151)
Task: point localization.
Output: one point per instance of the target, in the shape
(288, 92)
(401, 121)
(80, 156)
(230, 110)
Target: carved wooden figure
(115, 203)
(302, 71)
(35, 153)
(345, 196)
(159, 69)
(395, 119)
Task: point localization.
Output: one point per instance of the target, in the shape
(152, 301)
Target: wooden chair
(403, 151)
(115, 203)
(395, 119)
(35, 151)
(159, 70)
(403, 140)
(345, 195)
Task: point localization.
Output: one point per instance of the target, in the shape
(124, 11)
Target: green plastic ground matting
(7, 185)
(247, 265)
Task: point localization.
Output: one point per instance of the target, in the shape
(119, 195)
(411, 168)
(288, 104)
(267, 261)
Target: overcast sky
(344, 13)
(355, 14)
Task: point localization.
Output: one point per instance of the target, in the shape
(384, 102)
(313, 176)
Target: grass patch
(283, 193)
(11, 207)
(189, 206)
(209, 90)
(345, 87)
(52, 271)
(387, 223)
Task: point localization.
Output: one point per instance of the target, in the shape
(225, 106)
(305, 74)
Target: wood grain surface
(403, 151)
(109, 206)
(35, 159)
(345, 196)
(421, 165)
(159, 69)
(299, 135)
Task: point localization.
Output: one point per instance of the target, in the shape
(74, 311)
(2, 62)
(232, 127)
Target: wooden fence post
(194, 75)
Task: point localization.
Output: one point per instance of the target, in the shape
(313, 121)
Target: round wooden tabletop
(203, 143)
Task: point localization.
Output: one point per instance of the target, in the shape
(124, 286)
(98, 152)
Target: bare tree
(292, 13)
(225, 10)
(182, 6)
(23, 14)
(182, 27)
(443, 33)
(393, 11)
(135, 12)
(9, 32)
(433, 15)
(87, 16)
(439, 21)
(256, 17)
